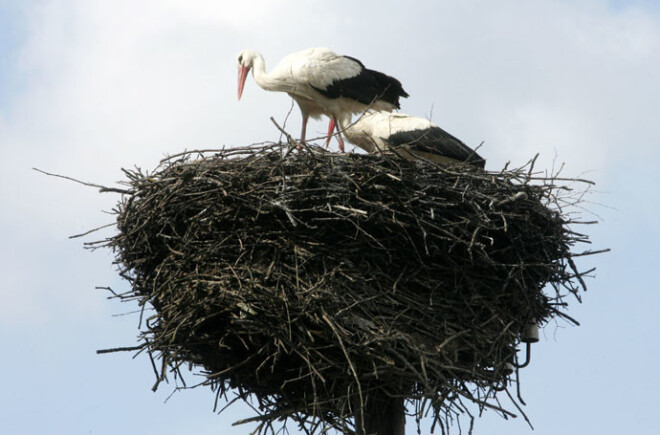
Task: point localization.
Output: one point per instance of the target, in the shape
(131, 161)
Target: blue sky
(11, 38)
(88, 87)
(646, 5)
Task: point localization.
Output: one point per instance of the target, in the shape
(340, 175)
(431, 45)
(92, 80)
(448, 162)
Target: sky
(88, 87)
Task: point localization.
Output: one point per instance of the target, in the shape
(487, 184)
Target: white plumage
(323, 83)
(408, 136)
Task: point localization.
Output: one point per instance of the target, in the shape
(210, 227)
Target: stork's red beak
(242, 76)
(331, 127)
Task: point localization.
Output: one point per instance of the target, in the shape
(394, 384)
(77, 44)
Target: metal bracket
(528, 356)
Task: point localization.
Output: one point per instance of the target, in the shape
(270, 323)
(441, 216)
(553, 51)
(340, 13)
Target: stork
(323, 83)
(411, 137)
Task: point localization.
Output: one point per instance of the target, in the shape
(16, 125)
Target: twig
(120, 349)
(101, 188)
(92, 231)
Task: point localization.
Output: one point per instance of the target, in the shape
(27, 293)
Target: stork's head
(245, 62)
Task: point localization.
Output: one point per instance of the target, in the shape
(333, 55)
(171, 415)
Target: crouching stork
(411, 137)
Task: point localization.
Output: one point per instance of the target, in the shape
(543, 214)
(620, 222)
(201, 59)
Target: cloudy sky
(88, 87)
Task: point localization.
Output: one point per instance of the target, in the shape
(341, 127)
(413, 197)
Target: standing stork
(411, 137)
(323, 83)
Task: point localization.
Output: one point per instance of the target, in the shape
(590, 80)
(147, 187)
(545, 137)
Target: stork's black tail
(390, 88)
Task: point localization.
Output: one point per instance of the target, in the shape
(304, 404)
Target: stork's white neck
(260, 75)
(360, 132)
(349, 126)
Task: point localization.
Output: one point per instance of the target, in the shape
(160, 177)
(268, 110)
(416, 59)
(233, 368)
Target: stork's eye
(240, 58)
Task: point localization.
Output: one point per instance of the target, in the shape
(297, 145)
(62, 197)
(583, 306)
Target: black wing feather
(366, 87)
(435, 140)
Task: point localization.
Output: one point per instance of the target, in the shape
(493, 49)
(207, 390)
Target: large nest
(313, 281)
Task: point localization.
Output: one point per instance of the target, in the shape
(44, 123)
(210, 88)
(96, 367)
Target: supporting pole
(383, 415)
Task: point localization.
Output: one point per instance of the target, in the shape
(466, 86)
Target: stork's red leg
(331, 127)
(341, 140)
(333, 124)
